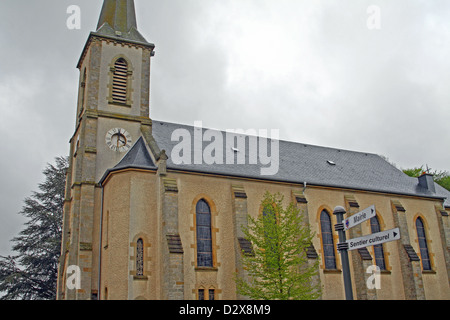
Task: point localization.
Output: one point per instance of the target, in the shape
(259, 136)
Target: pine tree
(278, 266)
(31, 273)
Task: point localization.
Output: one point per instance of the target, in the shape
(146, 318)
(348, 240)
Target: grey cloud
(309, 68)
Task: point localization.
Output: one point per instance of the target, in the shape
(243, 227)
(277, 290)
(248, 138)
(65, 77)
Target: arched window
(378, 249)
(327, 240)
(204, 235)
(82, 91)
(140, 257)
(120, 82)
(201, 294)
(421, 235)
(212, 294)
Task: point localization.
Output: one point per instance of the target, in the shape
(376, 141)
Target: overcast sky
(311, 68)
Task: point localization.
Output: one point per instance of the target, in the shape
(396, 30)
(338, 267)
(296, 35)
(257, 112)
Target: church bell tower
(112, 114)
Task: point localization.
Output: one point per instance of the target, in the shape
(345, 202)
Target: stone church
(141, 224)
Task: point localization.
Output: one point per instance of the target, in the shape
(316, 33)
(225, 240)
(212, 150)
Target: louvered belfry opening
(120, 81)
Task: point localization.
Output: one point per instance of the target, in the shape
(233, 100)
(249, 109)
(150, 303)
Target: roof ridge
(280, 140)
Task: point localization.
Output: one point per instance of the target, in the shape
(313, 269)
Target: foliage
(414, 172)
(440, 177)
(444, 182)
(278, 268)
(31, 273)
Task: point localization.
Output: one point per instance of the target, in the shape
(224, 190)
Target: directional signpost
(374, 239)
(343, 250)
(360, 217)
(345, 245)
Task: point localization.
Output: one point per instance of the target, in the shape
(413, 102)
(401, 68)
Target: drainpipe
(100, 246)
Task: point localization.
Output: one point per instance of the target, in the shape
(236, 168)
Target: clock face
(118, 139)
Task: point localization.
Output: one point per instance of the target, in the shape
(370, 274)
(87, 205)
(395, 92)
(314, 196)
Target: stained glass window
(424, 255)
(201, 294)
(140, 257)
(378, 249)
(327, 240)
(204, 238)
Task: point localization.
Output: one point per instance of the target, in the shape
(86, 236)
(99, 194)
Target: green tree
(31, 273)
(278, 266)
(444, 182)
(440, 177)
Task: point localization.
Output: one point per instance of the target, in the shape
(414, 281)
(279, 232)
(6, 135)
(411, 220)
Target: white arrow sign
(359, 217)
(374, 239)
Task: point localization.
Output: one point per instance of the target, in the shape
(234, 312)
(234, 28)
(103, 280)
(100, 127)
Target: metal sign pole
(343, 250)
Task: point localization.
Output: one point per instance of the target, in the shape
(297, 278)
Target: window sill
(428, 272)
(332, 270)
(140, 278)
(206, 269)
(119, 104)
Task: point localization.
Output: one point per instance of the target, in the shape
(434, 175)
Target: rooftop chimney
(426, 181)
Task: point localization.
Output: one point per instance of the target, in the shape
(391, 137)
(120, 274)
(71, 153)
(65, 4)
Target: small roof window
(331, 163)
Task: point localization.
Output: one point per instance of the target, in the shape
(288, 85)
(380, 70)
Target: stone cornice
(93, 37)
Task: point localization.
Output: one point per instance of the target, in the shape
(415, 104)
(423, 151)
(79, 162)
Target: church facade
(141, 224)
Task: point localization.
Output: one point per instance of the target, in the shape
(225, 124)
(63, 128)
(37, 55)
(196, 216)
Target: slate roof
(299, 163)
(137, 157)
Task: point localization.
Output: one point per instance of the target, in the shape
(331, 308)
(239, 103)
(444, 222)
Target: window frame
(82, 97)
(378, 250)
(423, 243)
(206, 293)
(140, 258)
(112, 76)
(201, 294)
(207, 243)
(326, 245)
(134, 245)
(211, 294)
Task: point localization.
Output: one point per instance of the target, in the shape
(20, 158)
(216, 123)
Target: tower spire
(118, 19)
